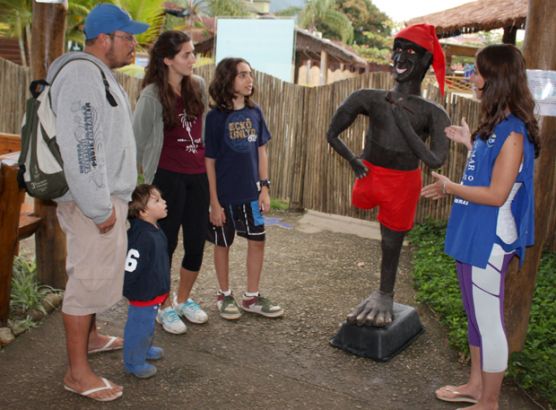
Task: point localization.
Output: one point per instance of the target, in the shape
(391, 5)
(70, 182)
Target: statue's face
(410, 60)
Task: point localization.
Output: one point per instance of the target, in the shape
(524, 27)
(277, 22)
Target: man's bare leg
(79, 375)
(97, 340)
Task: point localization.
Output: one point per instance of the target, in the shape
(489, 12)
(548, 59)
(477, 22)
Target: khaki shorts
(95, 262)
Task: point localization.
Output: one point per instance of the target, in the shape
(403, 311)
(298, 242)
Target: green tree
(15, 22)
(371, 27)
(191, 16)
(227, 8)
(148, 11)
(288, 12)
(323, 16)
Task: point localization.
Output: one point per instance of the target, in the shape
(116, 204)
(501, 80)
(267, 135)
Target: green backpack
(41, 170)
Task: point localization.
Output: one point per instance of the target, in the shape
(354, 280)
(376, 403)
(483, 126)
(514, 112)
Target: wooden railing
(17, 220)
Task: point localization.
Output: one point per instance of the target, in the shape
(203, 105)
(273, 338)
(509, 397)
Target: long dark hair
(168, 45)
(221, 88)
(502, 67)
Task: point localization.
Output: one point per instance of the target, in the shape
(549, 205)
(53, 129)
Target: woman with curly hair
(168, 125)
(492, 218)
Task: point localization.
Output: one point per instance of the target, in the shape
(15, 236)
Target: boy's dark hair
(221, 88)
(139, 199)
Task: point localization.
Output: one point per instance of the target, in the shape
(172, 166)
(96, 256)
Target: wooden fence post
(11, 198)
(539, 54)
(49, 23)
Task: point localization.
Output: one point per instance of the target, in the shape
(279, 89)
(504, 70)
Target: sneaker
(170, 321)
(227, 306)
(155, 353)
(190, 310)
(142, 371)
(261, 305)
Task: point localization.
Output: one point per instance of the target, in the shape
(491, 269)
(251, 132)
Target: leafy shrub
(437, 286)
(26, 293)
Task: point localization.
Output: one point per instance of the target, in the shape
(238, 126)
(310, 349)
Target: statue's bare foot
(376, 310)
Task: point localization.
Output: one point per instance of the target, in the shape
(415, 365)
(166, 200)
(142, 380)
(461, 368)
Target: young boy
(147, 279)
(237, 169)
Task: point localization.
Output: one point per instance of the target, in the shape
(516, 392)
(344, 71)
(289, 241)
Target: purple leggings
(482, 293)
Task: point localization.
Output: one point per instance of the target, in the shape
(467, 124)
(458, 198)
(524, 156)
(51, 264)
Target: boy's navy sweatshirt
(147, 271)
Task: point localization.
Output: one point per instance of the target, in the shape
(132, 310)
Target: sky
(402, 10)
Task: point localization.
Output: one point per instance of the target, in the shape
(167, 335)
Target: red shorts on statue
(395, 192)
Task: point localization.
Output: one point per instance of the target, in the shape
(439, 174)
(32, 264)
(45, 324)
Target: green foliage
(227, 8)
(15, 16)
(371, 26)
(323, 15)
(288, 12)
(26, 292)
(436, 281)
(535, 366)
(437, 286)
(147, 11)
(278, 204)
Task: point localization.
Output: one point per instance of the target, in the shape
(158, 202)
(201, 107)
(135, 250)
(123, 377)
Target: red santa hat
(424, 35)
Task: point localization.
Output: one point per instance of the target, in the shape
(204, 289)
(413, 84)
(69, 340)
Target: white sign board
(268, 45)
(542, 84)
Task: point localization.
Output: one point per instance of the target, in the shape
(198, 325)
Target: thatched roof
(480, 15)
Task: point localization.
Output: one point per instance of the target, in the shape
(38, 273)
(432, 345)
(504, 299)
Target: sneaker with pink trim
(261, 306)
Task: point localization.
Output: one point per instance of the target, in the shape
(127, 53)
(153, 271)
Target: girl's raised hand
(460, 134)
(437, 189)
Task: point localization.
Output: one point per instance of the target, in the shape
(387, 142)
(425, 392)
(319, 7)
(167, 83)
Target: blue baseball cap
(107, 18)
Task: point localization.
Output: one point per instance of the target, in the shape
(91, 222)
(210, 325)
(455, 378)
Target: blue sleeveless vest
(472, 227)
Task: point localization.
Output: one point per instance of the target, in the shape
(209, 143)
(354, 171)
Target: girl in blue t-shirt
(237, 168)
(492, 216)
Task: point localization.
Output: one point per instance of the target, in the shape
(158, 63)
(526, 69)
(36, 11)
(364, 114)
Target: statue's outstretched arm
(434, 156)
(342, 119)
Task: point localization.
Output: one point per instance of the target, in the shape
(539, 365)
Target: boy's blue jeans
(138, 334)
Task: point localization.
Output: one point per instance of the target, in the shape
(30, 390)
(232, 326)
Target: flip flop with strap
(108, 346)
(87, 393)
(449, 394)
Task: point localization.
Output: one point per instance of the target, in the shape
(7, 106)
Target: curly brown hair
(502, 67)
(168, 45)
(139, 199)
(221, 88)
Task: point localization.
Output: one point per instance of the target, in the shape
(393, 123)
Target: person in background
(492, 217)
(168, 126)
(147, 279)
(237, 169)
(95, 136)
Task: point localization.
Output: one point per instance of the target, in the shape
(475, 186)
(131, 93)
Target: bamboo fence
(305, 171)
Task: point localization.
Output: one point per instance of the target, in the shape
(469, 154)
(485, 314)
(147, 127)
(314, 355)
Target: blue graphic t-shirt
(471, 228)
(233, 138)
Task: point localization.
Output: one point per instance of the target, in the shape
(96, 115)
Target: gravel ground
(316, 275)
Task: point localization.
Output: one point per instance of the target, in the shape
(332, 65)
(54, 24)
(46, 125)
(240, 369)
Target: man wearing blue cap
(94, 132)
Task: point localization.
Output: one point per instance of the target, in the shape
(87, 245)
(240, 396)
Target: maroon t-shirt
(183, 150)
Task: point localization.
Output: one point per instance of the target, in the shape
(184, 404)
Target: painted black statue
(387, 171)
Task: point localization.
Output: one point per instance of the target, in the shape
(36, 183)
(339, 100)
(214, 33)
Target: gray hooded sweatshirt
(96, 140)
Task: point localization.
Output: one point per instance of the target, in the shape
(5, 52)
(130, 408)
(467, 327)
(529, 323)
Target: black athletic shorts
(246, 220)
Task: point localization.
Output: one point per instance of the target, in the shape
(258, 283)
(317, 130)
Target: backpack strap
(38, 85)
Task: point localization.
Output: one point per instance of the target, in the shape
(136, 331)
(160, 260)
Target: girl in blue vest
(492, 218)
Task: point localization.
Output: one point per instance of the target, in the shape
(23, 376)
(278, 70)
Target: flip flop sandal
(108, 346)
(449, 394)
(87, 393)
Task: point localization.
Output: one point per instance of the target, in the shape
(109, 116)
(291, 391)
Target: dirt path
(317, 276)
